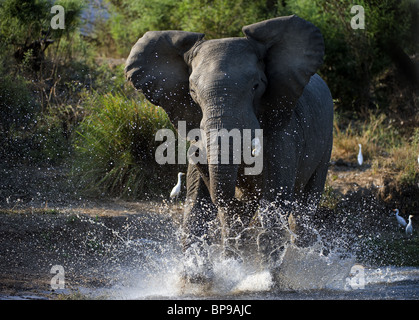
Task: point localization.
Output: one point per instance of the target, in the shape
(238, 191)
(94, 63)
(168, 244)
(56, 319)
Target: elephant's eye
(255, 86)
(192, 93)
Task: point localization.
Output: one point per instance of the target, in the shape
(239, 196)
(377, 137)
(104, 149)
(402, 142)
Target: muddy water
(304, 275)
(138, 256)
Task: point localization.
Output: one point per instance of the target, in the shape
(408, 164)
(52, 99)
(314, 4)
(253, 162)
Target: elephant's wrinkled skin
(265, 80)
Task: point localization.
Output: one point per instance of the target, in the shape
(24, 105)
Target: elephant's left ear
(293, 50)
(156, 66)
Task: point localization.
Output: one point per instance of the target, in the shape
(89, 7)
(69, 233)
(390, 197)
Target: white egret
(176, 189)
(400, 220)
(360, 157)
(409, 228)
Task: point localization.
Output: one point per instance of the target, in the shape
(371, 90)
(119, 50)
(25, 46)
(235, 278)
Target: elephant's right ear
(156, 66)
(293, 50)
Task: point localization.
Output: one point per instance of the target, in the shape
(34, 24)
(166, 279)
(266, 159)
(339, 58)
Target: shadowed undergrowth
(115, 146)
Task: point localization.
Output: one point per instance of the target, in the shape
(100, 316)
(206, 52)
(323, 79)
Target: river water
(304, 274)
(298, 273)
(148, 264)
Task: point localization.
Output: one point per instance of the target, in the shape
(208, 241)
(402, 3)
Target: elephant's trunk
(226, 113)
(224, 154)
(222, 189)
(222, 183)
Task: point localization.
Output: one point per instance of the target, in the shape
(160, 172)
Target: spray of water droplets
(263, 257)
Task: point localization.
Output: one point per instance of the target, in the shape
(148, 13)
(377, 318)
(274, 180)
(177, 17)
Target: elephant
(265, 81)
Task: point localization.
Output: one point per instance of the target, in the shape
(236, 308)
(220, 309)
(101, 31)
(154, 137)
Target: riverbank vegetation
(64, 100)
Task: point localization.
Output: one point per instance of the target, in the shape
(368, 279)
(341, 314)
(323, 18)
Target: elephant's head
(230, 83)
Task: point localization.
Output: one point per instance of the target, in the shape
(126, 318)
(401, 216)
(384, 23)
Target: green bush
(354, 58)
(18, 112)
(115, 145)
(50, 142)
(27, 133)
(25, 28)
(17, 107)
(220, 18)
(216, 18)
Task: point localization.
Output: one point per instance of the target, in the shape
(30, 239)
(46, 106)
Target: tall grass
(383, 146)
(374, 134)
(115, 145)
(404, 160)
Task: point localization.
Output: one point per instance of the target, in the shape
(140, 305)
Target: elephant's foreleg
(313, 190)
(308, 201)
(199, 213)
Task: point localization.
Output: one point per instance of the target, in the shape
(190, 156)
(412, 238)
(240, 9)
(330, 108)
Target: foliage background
(57, 87)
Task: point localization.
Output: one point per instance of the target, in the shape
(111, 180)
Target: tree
(220, 18)
(25, 27)
(354, 58)
(216, 18)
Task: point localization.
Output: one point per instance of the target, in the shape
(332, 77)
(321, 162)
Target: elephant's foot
(271, 245)
(197, 272)
(197, 283)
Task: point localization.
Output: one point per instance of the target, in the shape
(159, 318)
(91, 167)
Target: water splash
(308, 269)
(141, 256)
(250, 268)
(160, 277)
